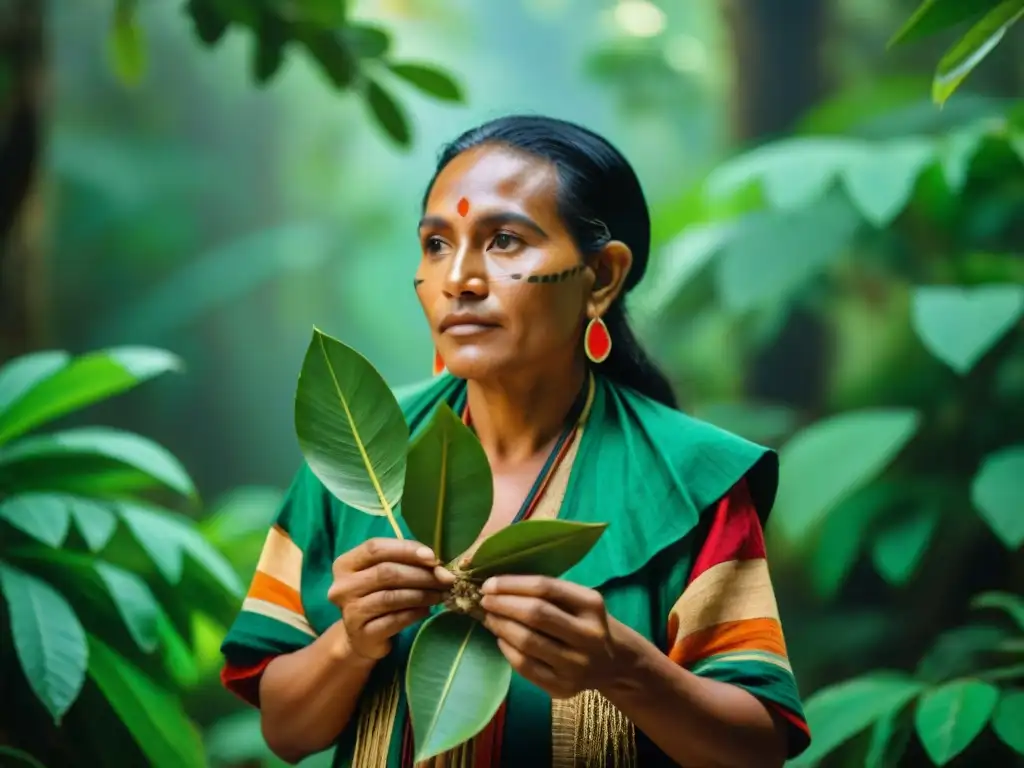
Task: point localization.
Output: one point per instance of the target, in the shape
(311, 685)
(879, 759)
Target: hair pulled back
(599, 200)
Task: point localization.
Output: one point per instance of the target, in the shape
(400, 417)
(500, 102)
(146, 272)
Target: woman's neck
(519, 417)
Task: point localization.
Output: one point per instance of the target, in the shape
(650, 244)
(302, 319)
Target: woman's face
(501, 281)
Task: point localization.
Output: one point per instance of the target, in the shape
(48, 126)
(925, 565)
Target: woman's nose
(467, 274)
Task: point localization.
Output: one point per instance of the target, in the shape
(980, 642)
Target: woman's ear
(611, 266)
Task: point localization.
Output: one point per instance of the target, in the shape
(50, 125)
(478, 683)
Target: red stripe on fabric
(792, 718)
(244, 682)
(735, 532)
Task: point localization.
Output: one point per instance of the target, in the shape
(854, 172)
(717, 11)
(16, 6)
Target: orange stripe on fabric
(244, 682)
(730, 636)
(266, 587)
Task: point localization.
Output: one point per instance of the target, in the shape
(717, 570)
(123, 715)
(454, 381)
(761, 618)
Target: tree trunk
(21, 214)
(778, 74)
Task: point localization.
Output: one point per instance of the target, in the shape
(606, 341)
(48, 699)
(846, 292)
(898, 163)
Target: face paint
(552, 277)
(462, 207)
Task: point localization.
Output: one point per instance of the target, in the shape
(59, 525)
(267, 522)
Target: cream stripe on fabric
(731, 591)
(276, 612)
(282, 559)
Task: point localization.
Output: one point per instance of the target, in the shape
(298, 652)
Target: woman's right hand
(383, 586)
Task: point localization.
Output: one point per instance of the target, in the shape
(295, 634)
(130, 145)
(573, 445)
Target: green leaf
(794, 173)
(681, 261)
(152, 715)
(961, 59)
(91, 460)
(959, 325)
(241, 513)
(838, 713)
(25, 373)
(430, 80)
(369, 42)
(830, 459)
(210, 24)
(43, 516)
(949, 718)
(898, 548)
(535, 547)
(333, 54)
(1008, 720)
(86, 380)
(890, 736)
(126, 45)
(48, 639)
(273, 34)
(936, 15)
(167, 538)
(94, 520)
(387, 113)
(135, 602)
(19, 756)
(448, 486)
(1013, 605)
(455, 681)
(770, 255)
(959, 651)
(350, 427)
(882, 179)
(998, 494)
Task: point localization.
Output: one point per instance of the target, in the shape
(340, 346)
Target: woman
(663, 646)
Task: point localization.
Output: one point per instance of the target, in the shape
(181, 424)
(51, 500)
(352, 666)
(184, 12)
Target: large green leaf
(154, 716)
(134, 601)
(936, 15)
(167, 538)
(535, 547)
(890, 736)
(48, 639)
(94, 520)
(881, 179)
(455, 682)
(960, 60)
(771, 255)
(899, 546)
(838, 713)
(959, 651)
(1008, 720)
(959, 325)
(19, 757)
(91, 460)
(998, 494)
(448, 486)
(43, 516)
(430, 80)
(26, 372)
(949, 718)
(1013, 605)
(86, 380)
(832, 458)
(350, 427)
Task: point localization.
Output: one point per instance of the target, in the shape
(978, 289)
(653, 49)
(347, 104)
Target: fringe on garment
(588, 731)
(375, 726)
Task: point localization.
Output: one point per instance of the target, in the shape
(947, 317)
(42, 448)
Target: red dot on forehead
(462, 207)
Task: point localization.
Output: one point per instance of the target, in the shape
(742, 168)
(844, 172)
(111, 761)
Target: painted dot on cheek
(462, 207)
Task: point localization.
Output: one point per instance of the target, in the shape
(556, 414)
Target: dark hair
(599, 199)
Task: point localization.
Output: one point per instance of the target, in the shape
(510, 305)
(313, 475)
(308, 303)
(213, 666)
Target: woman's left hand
(556, 634)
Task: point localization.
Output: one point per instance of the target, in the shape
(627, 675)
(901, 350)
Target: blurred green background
(839, 273)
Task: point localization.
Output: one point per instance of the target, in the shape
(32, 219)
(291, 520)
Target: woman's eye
(503, 241)
(433, 245)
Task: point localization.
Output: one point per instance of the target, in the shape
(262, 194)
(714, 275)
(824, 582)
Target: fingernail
(426, 554)
(489, 586)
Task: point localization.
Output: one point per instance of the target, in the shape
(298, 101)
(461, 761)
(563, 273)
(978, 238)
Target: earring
(438, 363)
(597, 342)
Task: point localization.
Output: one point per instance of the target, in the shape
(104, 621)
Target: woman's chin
(475, 367)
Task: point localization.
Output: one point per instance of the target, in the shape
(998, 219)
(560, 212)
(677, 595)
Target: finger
(570, 597)
(374, 551)
(384, 576)
(391, 624)
(534, 670)
(534, 645)
(377, 604)
(537, 615)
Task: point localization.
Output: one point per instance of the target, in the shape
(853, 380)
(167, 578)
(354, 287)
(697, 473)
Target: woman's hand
(383, 586)
(554, 633)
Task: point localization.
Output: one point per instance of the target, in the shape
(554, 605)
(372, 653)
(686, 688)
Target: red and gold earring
(438, 363)
(597, 342)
